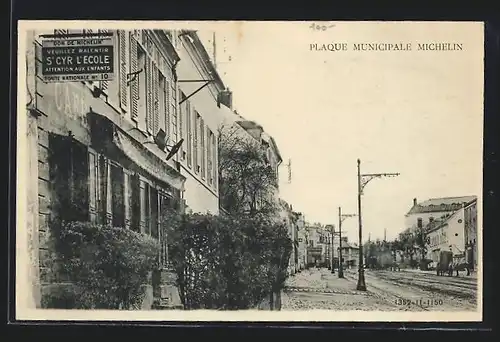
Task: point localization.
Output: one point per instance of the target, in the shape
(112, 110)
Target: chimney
(414, 202)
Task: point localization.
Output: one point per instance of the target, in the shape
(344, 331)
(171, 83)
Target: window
(214, 160)
(196, 123)
(182, 111)
(419, 223)
(162, 103)
(93, 185)
(210, 157)
(154, 213)
(117, 196)
(135, 203)
(69, 170)
(202, 148)
(189, 133)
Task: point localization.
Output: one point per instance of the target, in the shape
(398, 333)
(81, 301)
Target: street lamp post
(363, 179)
(332, 234)
(342, 217)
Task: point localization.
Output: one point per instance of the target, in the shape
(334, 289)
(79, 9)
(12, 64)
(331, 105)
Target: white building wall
(448, 237)
(412, 219)
(200, 195)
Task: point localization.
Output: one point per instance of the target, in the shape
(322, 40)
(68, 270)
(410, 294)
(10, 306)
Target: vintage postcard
(250, 171)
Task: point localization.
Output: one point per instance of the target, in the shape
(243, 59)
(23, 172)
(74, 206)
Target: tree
(407, 241)
(229, 261)
(421, 241)
(246, 179)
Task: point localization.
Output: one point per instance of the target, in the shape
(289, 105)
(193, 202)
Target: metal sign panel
(77, 58)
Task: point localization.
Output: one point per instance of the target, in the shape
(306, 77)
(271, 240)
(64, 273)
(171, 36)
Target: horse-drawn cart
(448, 263)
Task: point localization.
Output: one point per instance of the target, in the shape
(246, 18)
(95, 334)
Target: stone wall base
(167, 295)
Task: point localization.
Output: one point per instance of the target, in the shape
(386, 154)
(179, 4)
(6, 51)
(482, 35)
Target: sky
(417, 113)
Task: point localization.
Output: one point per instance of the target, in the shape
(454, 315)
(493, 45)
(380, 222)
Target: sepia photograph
(249, 171)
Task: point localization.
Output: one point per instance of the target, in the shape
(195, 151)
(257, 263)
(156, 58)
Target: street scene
(243, 169)
(387, 291)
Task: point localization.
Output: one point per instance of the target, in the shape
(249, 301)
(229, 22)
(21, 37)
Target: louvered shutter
(93, 188)
(134, 86)
(123, 89)
(167, 110)
(149, 96)
(104, 84)
(156, 99)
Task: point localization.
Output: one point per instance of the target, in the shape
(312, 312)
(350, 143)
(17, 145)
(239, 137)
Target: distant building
(470, 220)
(423, 213)
(447, 234)
(302, 241)
(350, 253)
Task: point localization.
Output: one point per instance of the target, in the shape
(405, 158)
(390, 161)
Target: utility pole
(342, 217)
(363, 179)
(332, 256)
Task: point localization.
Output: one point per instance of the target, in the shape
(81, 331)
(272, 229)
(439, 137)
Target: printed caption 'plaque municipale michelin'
(249, 171)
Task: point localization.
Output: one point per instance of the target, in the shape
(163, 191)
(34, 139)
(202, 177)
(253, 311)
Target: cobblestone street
(320, 289)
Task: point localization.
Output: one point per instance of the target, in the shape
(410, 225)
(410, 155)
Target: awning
(108, 135)
(148, 161)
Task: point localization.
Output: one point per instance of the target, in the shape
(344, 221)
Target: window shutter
(93, 185)
(202, 147)
(167, 110)
(189, 132)
(156, 100)
(104, 85)
(149, 96)
(122, 49)
(181, 128)
(134, 87)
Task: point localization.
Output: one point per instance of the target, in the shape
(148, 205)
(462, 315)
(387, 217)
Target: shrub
(227, 262)
(107, 265)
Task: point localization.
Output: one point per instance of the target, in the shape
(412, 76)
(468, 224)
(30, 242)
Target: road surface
(386, 291)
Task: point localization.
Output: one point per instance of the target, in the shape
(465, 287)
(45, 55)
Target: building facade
(471, 234)
(302, 241)
(199, 113)
(350, 253)
(447, 235)
(423, 213)
(98, 150)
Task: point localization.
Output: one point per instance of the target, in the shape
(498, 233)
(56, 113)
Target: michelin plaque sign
(74, 58)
